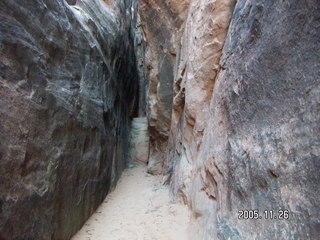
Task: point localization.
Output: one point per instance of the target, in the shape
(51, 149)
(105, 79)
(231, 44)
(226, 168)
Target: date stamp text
(255, 214)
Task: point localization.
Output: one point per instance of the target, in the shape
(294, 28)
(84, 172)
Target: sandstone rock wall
(68, 86)
(199, 62)
(162, 22)
(232, 92)
(261, 145)
(201, 48)
(244, 129)
(244, 132)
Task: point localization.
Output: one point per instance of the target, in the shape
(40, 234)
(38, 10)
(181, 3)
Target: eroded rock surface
(162, 22)
(245, 119)
(198, 64)
(68, 85)
(232, 105)
(261, 145)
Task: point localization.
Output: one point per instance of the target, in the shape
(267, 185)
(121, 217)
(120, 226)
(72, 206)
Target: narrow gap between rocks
(220, 98)
(141, 206)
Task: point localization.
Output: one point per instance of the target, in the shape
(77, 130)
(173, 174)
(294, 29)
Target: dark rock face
(68, 85)
(263, 136)
(260, 148)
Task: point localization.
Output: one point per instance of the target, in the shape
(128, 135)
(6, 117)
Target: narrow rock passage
(139, 208)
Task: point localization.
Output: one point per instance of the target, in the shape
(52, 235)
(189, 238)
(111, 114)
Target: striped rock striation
(244, 123)
(68, 88)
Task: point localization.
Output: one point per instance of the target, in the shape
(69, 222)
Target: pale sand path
(138, 209)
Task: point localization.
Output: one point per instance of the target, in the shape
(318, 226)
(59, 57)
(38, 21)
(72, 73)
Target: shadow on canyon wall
(230, 90)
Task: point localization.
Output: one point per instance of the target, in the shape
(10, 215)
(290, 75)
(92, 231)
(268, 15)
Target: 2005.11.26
(281, 214)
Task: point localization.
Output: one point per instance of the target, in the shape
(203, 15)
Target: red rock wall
(244, 126)
(162, 23)
(199, 63)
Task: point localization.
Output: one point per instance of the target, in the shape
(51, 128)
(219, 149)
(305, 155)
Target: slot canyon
(160, 120)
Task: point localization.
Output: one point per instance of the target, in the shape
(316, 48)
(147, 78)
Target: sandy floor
(138, 209)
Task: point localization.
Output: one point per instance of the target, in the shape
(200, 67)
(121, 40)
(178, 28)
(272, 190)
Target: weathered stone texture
(68, 85)
(232, 106)
(198, 64)
(264, 128)
(260, 144)
(162, 23)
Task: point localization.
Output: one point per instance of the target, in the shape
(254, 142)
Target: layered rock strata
(232, 105)
(197, 68)
(261, 145)
(162, 22)
(245, 117)
(68, 86)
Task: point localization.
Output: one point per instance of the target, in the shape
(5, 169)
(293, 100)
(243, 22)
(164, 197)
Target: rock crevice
(226, 91)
